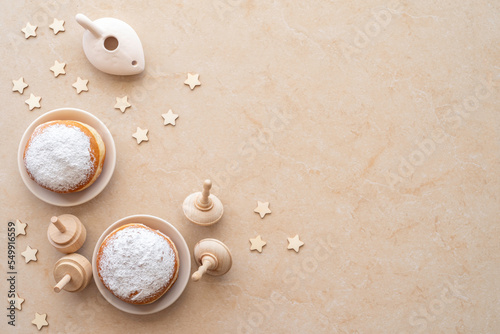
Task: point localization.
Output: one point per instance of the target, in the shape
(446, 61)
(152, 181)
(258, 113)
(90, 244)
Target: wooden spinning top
(213, 257)
(202, 208)
(66, 233)
(72, 273)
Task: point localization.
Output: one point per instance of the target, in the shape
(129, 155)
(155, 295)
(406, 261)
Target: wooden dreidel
(203, 208)
(66, 233)
(213, 257)
(72, 273)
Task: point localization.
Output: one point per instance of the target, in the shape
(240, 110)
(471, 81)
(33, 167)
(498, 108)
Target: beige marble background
(372, 127)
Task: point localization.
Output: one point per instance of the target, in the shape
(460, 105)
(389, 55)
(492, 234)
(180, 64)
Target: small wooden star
(141, 135)
(192, 80)
(257, 244)
(122, 103)
(29, 30)
(19, 85)
(18, 301)
(33, 102)
(40, 320)
(20, 227)
(262, 208)
(169, 118)
(57, 25)
(294, 243)
(58, 68)
(80, 85)
(29, 254)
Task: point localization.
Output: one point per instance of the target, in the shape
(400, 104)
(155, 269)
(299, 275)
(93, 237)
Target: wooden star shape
(262, 208)
(122, 103)
(19, 85)
(192, 80)
(57, 25)
(141, 135)
(40, 320)
(257, 244)
(18, 301)
(33, 102)
(80, 85)
(20, 227)
(29, 30)
(58, 68)
(29, 254)
(169, 118)
(294, 243)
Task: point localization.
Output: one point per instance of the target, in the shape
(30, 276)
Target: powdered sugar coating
(59, 157)
(136, 261)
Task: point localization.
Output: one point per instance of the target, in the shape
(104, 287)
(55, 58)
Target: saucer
(108, 168)
(184, 269)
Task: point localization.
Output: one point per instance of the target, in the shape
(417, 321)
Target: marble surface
(371, 127)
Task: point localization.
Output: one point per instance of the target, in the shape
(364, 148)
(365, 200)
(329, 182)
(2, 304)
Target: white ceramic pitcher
(112, 46)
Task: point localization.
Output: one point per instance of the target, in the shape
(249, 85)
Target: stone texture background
(372, 127)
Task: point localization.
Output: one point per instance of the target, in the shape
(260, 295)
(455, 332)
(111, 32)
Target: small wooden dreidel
(213, 257)
(66, 233)
(72, 273)
(203, 208)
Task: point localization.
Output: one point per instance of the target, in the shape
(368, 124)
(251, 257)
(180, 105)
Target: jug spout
(89, 25)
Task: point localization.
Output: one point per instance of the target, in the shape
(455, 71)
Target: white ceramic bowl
(85, 195)
(184, 265)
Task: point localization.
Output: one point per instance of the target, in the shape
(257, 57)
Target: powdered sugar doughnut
(137, 264)
(64, 156)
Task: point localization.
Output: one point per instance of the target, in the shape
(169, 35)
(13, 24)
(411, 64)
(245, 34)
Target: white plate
(108, 168)
(184, 265)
